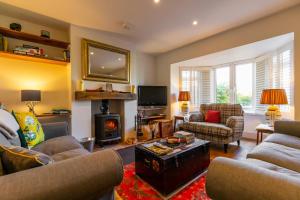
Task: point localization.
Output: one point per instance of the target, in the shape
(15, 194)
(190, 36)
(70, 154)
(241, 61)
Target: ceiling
(241, 53)
(156, 28)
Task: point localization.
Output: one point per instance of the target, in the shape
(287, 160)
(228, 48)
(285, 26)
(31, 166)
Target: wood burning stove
(107, 128)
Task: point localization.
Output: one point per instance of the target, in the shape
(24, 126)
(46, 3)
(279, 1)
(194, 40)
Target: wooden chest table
(169, 172)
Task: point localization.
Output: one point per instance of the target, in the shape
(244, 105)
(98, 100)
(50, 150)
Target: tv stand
(146, 114)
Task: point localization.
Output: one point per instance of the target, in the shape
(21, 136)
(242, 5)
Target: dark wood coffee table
(170, 172)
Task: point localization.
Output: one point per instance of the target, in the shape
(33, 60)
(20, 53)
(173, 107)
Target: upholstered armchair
(230, 129)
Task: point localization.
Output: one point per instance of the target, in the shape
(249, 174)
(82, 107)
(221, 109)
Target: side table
(177, 118)
(263, 128)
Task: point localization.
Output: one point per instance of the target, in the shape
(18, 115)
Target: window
(244, 84)
(198, 82)
(223, 85)
(275, 71)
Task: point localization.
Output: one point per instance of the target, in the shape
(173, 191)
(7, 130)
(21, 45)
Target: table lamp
(273, 97)
(31, 98)
(184, 96)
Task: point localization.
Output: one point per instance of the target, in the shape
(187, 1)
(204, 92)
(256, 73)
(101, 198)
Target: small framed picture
(109, 87)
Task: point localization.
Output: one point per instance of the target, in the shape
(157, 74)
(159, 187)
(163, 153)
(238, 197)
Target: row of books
(29, 50)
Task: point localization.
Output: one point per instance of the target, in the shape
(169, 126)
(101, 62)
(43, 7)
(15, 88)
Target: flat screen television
(152, 95)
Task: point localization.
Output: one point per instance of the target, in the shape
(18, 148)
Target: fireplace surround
(107, 128)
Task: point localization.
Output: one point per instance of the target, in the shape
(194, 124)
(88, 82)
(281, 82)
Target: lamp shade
(273, 97)
(184, 96)
(30, 95)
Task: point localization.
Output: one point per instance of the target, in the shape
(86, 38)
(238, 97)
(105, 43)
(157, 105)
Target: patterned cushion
(31, 128)
(227, 110)
(16, 159)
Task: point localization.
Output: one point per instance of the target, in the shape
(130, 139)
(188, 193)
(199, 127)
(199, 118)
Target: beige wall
(278, 24)
(142, 72)
(53, 80)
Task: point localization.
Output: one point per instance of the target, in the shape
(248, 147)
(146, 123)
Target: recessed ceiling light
(119, 59)
(156, 1)
(195, 23)
(92, 53)
(102, 67)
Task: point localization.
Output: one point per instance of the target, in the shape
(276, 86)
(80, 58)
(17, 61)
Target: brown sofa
(75, 174)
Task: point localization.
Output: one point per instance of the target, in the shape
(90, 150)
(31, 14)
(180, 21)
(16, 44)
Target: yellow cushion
(31, 128)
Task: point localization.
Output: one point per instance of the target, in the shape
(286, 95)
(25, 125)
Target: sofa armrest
(229, 179)
(287, 127)
(236, 123)
(83, 177)
(55, 129)
(196, 117)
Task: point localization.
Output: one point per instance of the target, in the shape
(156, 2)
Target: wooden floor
(234, 151)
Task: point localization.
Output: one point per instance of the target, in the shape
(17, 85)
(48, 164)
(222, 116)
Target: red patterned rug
(133, 188)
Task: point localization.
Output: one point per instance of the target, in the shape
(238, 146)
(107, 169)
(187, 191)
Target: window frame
(232, 78)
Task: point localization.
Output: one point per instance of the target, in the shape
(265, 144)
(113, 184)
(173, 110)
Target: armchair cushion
(206, 128)
(196, 117)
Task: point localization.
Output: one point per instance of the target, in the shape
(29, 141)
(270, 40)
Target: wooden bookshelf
(33, 38)
(32, 58)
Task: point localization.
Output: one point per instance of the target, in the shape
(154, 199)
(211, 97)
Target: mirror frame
(86, 75)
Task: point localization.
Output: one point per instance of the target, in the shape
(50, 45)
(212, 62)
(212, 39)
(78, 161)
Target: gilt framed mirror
(105, 63)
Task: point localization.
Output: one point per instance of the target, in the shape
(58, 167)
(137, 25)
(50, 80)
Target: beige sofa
(271, 170)
(75, 174)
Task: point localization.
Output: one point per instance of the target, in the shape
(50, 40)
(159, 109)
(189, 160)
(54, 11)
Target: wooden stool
(165, 127)
(263, 128)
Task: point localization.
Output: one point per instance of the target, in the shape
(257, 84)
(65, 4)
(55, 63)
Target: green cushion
(15, 158)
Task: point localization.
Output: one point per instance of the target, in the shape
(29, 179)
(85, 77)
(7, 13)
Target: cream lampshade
(185, 97)
(273, 97)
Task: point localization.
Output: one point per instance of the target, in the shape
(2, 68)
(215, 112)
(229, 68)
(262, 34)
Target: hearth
(107, 128)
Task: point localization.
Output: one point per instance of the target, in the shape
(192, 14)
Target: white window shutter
(198, 82)
(262, 69)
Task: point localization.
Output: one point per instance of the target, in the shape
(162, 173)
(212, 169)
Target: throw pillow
(16, 159)
(31, 128)
(9, 124)
(213, 116)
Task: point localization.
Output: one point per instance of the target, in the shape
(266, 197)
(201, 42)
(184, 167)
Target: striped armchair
(229, 130)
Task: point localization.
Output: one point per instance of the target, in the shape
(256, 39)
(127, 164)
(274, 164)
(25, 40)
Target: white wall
(142, 72)
(278, 24)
